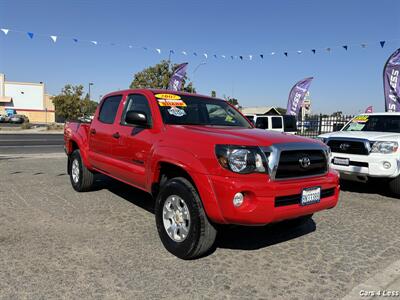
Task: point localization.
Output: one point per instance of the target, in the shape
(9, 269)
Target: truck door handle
(93, 131)
(116, 135)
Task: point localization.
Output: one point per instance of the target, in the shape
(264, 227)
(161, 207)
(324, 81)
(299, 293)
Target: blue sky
(344, 80)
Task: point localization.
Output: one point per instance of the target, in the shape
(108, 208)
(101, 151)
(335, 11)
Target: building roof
(260, 110)
(5, 99)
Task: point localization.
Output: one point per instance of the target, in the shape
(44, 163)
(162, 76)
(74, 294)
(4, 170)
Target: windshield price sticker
(361, 119)
(167, 96)
(177, 112)
(165, 102)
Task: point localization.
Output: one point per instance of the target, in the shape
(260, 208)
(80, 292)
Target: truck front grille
(348, 146)
(301, 163)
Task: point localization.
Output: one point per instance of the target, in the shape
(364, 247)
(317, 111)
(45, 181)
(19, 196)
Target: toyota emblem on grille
(305, 162)
(344, 147)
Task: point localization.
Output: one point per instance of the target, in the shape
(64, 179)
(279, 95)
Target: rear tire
(81, 178)
(182, 224)
(394, 186)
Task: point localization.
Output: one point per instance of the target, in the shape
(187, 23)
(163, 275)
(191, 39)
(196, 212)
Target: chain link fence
(314, 125)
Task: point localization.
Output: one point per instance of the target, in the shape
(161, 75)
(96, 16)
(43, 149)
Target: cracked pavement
(57, 243)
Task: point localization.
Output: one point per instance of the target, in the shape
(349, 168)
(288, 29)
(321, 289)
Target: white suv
(367, 147)
(284, 123)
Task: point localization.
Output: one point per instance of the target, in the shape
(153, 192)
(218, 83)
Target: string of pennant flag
(205, 55)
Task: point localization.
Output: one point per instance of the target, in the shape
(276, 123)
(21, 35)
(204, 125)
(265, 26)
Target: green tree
(213, 94)
(69, 104)
(337, 114)
(88, 106)
(233, 101)
(158, 76)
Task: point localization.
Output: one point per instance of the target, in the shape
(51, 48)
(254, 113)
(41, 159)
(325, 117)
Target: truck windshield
(380, 123)
(194, 110)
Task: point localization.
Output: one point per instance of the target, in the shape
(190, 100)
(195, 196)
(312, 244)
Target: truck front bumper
(372, 165)
(267, 201)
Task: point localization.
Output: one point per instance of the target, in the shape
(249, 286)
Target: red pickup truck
(203, 162)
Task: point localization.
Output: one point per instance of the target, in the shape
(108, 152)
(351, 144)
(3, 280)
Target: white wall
(1, 85)
(25, 95)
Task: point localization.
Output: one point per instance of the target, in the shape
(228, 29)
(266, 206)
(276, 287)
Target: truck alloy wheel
(182, 224)
(75, 170)
(81, 177)
(176, 218)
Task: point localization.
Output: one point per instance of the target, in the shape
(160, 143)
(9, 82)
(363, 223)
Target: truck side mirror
(135, 117)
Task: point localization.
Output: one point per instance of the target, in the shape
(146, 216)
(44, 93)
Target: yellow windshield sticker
(360, 119)
(229, 119)
(165, 102)
(167, 96)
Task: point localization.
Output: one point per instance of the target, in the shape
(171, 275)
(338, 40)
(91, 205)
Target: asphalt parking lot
(56, 243)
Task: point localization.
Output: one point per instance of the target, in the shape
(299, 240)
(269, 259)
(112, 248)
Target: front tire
(182, 224)
(394, 186)
(81, 178)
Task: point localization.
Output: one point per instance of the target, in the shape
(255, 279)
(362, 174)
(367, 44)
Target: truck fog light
(386, 165)
(238, 199)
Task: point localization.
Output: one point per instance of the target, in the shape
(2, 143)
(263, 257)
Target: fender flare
(197, 172)
(82, 146)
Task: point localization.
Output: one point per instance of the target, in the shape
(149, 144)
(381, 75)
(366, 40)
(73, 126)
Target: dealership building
(26, 98)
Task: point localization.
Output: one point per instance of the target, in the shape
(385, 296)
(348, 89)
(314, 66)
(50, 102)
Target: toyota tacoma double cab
(366, 148)
(202, 161)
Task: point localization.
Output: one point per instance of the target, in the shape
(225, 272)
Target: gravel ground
(56, 243)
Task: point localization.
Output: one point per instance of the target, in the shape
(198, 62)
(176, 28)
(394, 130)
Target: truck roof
(159, 91)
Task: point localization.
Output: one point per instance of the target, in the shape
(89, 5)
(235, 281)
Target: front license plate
(311, 196)
(341, 161)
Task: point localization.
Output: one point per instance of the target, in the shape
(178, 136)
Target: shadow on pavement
(229, 236)
(376, 186)
(125, 191)
(252, 238)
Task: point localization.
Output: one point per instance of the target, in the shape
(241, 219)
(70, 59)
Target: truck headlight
(384, 147)
(241, 159)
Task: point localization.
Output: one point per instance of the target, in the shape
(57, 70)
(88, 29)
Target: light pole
(90, 83)
(194, 71)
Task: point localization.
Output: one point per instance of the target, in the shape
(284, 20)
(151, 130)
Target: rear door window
(251, 119)
(276, 122)
(289, 123)
(109, 109)
(262, 122)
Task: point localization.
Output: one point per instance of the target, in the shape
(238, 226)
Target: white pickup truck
(367, 147)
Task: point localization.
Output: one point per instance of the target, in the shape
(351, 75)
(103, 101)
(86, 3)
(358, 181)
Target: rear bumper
(260, 207)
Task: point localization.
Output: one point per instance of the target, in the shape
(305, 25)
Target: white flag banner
(54, 38)
(251, 57)
(205, 55)
(94, 42)
(5, 30)
(158, 51)
(223, 56)
(184, 52)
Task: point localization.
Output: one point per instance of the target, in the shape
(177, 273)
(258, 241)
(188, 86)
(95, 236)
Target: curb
(28, 131)
(32, 156)
(384, 284)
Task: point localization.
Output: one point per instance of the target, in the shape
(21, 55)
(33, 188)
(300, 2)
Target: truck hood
(369, 135)
(235, 135)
